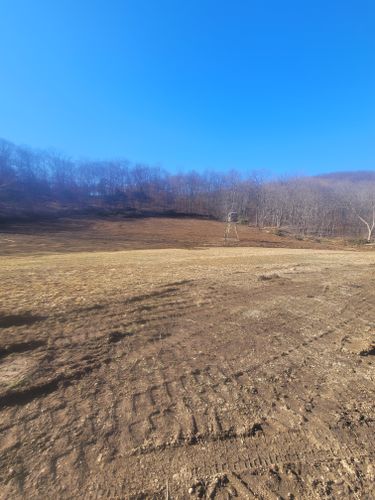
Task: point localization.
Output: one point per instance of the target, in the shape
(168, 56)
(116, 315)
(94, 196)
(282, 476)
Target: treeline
(333, 205)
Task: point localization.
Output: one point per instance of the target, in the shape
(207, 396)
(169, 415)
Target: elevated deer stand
(232, 219)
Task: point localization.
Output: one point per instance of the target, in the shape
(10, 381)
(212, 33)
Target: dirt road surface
(210, 373)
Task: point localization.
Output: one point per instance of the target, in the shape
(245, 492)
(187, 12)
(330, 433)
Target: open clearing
(185, 373)
(118, 233)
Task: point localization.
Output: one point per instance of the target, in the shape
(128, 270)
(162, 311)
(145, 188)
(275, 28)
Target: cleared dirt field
(92, 235)
(185, 373)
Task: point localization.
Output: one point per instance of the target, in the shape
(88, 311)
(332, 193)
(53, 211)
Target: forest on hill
(36, 182)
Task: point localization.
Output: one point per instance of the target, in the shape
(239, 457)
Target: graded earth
(214, 372)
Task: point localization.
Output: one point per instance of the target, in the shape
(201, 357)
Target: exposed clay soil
(178, 373)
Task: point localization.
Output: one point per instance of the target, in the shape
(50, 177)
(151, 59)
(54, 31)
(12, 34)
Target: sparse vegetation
(268, 277)
(184, 361)
(280, 232)
(358, 241)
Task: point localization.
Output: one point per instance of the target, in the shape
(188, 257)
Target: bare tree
(362, 204)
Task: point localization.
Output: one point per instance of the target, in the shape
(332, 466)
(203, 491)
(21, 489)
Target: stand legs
(228, 228)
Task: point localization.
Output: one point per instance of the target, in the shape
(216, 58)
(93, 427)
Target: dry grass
(226, 372)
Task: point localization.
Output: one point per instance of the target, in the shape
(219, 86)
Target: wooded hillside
(337, 204)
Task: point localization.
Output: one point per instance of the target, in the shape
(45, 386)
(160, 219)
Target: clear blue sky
(287, 86)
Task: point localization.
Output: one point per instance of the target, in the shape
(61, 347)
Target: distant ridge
(351, 176)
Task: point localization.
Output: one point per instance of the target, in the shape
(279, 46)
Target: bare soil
(184, 372)
(111, 233)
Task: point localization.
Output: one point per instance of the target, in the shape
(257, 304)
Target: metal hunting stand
(232, 219)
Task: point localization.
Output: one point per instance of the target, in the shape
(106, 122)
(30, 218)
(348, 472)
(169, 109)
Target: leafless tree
(361, 202)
